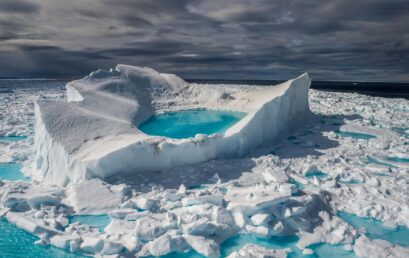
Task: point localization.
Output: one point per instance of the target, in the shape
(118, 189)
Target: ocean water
(17, 243)
(376, 230)
(12, 171)
(188, 123)
(98, 221)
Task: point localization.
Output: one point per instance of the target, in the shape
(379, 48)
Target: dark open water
(381, 89)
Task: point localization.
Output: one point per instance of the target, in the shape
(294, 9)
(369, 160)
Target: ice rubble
(255, 251)
(268, 196)
(173, 220)
(94, 134)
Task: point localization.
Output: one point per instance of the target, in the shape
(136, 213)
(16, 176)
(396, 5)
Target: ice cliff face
(94, 134)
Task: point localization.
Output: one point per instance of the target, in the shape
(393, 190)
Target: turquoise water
(188, 123)
(375, 229)
(402, 131)
(352, 182)
(12, 171)
(17, 243)
(356, 135)
(237, 242)
(317, 173)
(190, 254)
(12, 138)
(98, 221)
(20, 243)
(396, 159)
(198, 187)
(327, 251)
(299, 185)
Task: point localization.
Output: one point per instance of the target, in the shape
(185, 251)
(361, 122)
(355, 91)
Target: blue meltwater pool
(376, 230)
(12, 172)
(188, 123)
(17, 243)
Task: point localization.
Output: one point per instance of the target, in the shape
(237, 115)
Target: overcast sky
(230, 39)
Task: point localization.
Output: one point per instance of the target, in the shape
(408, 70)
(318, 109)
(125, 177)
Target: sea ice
(220, 206)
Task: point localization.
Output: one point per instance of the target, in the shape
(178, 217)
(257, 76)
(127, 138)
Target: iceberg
(95, 133)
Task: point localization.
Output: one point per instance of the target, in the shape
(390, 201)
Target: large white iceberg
(94, 134)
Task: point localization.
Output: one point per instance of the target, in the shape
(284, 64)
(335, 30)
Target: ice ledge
(94, 134)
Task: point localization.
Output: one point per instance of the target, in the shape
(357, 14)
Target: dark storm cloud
(339, 39)
(18, 6)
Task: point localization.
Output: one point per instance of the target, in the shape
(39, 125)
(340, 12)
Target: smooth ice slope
(95, 132)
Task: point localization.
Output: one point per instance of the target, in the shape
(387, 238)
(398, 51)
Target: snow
(203, 246)
(255, 251)
(378, 248)
(85, 138)
(196, 208)
(86, 197)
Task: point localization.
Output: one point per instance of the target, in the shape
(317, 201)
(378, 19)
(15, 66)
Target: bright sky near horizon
(229, 39)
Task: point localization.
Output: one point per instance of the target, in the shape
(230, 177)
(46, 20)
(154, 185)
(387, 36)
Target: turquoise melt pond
(375, 229)
(319, 174)
(12, 138)
(356, 135)
(12, 172)
(17, 243)
(188, 123)
(397, 159)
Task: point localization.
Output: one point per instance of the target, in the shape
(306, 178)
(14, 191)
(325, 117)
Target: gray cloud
(18, 6)
(232, 39)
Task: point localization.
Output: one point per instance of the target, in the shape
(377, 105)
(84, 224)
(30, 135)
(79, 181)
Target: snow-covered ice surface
(279, 200)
